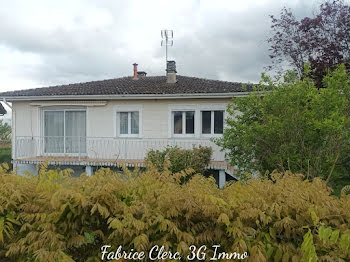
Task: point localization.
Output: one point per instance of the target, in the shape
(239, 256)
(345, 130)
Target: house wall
(101, 120)
(25, 119)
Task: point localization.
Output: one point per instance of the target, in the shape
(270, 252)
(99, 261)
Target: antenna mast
(167, 40)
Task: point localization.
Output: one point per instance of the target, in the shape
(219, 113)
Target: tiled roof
(155, 85)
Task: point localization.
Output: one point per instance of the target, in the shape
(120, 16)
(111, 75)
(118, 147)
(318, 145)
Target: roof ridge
(126, 85)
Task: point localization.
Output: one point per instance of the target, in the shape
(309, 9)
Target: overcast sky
(59, 42)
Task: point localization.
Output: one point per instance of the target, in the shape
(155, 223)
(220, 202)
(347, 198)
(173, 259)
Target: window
(177, 122)
(183, 122)
(65, 131)
(206, 122)
(212, 122)
(196, 120)
(128, 123)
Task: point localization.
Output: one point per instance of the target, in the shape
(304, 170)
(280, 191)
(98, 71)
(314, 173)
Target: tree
(292, 126)
(5, 131)
(323, 40)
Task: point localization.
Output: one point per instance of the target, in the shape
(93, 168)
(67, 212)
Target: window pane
(206, 122)
(75, 131)
(218, 122)
(54, 131)
(134, 122)
(123, 123)
(177, 122)
(190, 122)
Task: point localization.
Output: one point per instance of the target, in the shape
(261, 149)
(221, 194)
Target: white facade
(104, 145)
(155, 115)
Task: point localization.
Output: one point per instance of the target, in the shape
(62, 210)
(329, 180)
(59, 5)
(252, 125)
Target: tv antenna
(167, 40)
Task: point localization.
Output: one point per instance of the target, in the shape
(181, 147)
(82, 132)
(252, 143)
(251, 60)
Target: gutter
(126, 97)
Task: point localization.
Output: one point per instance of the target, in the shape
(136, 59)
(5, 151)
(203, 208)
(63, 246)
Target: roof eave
(124, 97)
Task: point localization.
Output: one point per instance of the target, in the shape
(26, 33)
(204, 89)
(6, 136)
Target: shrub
(5, 154)
(52, 217)
(179, 159)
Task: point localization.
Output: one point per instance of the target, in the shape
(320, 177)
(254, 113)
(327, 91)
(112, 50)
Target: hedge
(53, 217)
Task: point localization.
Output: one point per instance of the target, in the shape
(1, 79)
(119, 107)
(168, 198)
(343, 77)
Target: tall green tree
(290, 125)
(5, 131)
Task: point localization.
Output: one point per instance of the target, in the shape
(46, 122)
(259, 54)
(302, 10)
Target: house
(117, 121)
(2, 110)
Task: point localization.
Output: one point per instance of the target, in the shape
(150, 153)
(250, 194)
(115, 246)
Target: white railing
(102, 147)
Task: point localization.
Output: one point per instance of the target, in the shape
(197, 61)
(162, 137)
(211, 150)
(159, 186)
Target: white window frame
(42, 131)
(184, 134)
(211, 134)
(183, 108)
(127, 109)
(197, 108)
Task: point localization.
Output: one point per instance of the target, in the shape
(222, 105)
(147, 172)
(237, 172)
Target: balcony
(102, 151)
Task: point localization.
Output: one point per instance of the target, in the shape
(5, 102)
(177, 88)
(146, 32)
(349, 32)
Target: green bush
(291, 125)
(52, 217)
(179, 159)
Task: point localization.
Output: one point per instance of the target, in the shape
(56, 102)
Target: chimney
(135, 71)
(141, 74)
(171, 72)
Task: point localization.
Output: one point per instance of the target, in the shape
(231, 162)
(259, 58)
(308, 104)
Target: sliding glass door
(75, 135)
(54, 131)
(65, 131)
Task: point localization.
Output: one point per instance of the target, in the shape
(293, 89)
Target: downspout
(6, 103)
(14, 149)
(13, 134)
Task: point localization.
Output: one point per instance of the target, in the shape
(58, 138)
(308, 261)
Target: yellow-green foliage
(52, 217)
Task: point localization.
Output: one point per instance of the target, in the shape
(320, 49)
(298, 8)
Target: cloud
(56, 42)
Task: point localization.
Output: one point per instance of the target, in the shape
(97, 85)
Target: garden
(289, 141)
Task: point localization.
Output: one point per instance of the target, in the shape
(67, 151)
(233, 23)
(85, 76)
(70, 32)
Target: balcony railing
(102, 147)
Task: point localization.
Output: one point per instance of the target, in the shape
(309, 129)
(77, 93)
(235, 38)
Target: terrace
(103, 151)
